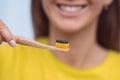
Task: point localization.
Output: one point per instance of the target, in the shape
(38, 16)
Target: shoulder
(7, 53)
(114, 63)
(6, 49)
(21, 55)
(114, 57)
(114, 54)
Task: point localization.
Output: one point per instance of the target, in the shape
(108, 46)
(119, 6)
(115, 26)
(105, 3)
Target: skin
(68, 24)
(5, 33)
(79, 30)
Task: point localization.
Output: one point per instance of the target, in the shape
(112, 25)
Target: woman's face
(73, 15)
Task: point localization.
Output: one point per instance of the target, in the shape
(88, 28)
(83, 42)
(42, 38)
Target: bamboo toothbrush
(29, 42)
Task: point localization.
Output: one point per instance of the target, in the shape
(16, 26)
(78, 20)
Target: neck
(83, 47)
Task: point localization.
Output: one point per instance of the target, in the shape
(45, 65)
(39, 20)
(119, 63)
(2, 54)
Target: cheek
(51, 0)
(46, 6)
(97, 2)
(97, 5)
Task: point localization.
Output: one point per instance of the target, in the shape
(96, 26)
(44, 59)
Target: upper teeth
(71, 8)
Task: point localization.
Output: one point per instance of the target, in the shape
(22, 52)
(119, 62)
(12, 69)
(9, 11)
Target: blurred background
(16, 14)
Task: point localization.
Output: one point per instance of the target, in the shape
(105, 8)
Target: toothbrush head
(63, 44)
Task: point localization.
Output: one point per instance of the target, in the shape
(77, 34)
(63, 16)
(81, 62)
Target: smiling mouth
(71, 8)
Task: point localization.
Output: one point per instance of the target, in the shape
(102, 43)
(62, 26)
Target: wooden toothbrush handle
(30, 42)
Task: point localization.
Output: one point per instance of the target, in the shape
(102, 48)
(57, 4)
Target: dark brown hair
(108, 34)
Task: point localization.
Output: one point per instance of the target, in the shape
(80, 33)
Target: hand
(6, 35)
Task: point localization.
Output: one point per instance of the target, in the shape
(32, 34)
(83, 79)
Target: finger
(6, 34)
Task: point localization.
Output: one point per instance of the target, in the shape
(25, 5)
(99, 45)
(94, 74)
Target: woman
(92, 29)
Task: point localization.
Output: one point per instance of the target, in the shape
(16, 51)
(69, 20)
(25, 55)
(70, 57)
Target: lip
(71, 14)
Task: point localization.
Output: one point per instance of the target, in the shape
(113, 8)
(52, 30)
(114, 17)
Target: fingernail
(12, 43)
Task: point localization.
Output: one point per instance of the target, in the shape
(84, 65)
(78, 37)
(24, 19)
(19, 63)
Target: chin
(69, 28)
